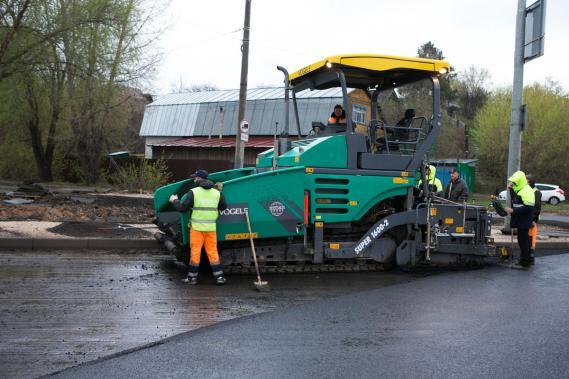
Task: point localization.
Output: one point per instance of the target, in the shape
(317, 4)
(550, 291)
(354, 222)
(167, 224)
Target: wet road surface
(495, 322)
(59, 309)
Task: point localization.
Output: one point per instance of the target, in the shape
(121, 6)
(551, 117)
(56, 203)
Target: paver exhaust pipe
(284, 138)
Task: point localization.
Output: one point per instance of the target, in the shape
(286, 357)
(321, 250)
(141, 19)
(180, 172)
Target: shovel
(259, 284)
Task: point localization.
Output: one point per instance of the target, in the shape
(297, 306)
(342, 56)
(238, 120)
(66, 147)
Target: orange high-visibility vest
(334, 120)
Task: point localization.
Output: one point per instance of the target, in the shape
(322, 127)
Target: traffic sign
(244, 127)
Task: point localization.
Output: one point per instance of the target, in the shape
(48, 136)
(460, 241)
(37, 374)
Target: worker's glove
(219, 186)
(173, 198)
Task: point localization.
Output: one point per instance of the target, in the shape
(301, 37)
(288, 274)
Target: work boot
(220, 280)
(191, 279)
(521, 266)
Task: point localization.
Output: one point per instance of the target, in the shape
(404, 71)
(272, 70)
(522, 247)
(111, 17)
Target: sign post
(530, 33)
(239, 145)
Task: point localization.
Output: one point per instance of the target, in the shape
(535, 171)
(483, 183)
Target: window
(543, 187)
(359, 114)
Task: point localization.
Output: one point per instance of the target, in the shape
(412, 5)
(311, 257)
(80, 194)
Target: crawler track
(307, 268)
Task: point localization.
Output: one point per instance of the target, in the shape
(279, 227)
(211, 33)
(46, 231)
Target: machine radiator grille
(331, 196)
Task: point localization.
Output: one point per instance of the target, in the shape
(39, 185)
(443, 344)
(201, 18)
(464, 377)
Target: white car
(550, 193)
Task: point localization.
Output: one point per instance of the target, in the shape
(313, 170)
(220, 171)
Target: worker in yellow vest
(204, 203)
(434, 183)
(522, 211)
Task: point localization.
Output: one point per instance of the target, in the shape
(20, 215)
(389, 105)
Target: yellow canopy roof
(375, 67)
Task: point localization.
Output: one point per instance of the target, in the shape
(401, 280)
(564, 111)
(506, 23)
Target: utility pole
(239, 144)
(221, 123)
(527, 47)
(466, 140)
(514, 152)
(515, 142)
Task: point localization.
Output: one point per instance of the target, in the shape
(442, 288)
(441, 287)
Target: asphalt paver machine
(346, 196)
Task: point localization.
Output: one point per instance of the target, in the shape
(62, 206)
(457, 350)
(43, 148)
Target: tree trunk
(42, 164)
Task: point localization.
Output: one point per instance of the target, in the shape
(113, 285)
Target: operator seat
(397, 135)
(400, 135)
(405, 122)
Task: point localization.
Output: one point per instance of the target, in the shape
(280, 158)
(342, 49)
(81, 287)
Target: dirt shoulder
(33, 204)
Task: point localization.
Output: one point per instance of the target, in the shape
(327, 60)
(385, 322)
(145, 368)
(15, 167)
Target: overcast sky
(202, 41)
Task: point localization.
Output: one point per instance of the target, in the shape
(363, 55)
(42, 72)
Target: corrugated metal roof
(233, 95)
(225, 142)
(453, 160)
(215, 112)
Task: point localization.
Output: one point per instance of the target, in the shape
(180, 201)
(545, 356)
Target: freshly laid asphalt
(494, 322)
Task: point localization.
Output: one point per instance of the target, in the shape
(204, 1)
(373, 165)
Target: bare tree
(110, 63)
(70, 61)
(181, 87)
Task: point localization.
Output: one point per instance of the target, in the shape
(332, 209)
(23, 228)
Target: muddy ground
(105, 229)
(59, 309)
(82, 207)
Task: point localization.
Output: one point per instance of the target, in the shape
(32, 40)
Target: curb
(559, 223)
(541, 245)
(77, 244)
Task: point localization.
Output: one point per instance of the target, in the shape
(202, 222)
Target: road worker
(456, 190)
(433, 182)
(338, 116)
(204, 203)
(536, 211)
(522, 211)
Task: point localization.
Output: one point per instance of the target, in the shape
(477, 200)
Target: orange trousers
(197, 241)
(533, 235)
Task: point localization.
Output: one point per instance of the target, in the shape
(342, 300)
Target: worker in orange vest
(338, 116)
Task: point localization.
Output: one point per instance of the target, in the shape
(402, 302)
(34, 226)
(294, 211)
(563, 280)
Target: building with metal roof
(213, 114)
(197, 130)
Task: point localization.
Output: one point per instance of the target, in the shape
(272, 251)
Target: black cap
(200, 174)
